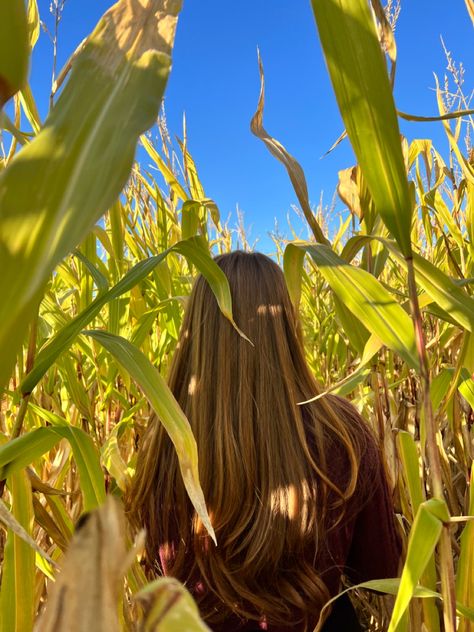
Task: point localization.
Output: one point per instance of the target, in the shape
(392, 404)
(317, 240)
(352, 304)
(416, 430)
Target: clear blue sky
(215, 81)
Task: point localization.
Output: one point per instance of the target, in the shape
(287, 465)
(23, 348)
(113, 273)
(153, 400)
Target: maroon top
(364, 545)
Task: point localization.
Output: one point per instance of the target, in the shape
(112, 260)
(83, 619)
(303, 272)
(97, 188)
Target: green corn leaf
(22, 451)
(411, 468)
(190, 218)
(361, 84)
(293, 267)
(464, 163)
(194, 250)
(47, 415)
(362, 294)
(466, 386)
(17, 595)
(99, 279)
(78, 163)
(87, 461)
(168, 411)
(353, 328)
(423, 538)
(14, 48)
(465, 575)
(411, 471)
(447, 295)
(444, 292)
(391, 587)
(439, 387)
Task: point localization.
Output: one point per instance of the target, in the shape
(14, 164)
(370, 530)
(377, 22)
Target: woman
(297, 494)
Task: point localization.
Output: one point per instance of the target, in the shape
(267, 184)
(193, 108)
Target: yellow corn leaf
(33, 22)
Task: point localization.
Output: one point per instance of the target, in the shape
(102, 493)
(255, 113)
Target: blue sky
(215, 82)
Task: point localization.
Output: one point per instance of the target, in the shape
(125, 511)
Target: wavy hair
(263, 459)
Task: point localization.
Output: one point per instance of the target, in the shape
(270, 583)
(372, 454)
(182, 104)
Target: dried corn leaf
(292, 166)
(86, 592)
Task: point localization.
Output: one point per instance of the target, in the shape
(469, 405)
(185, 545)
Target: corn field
(97, 258)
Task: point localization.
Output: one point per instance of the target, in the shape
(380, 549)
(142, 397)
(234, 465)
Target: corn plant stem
(446, 571)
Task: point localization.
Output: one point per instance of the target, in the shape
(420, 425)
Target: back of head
(262, 457)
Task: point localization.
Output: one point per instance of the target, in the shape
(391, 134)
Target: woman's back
(286, 485)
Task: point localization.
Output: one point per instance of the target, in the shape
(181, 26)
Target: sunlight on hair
(284, 501)
(192, 385)
(273, 310)
(184, 336)
(290, 502)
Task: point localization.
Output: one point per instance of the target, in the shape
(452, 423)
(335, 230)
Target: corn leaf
(170, 607)
(292, 166)
(87, 461)
(447, 294)
(14, 48)
(470, 9)
(22, 451)
(9, 520)
(85, 595)
(423, 538)
(362, 294)
(17, 596)
(411, 472)
(391, 586)
(361, 84)
(33, 22)
(163, 168)
(168, 411)
(78, 163)
(196, 252)
(29, 107)
(411, 468)
(465, 574)
(112, 460)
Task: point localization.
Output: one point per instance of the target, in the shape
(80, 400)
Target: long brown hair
(263, 459)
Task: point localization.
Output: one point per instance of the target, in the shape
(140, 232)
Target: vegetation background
(98, 253)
